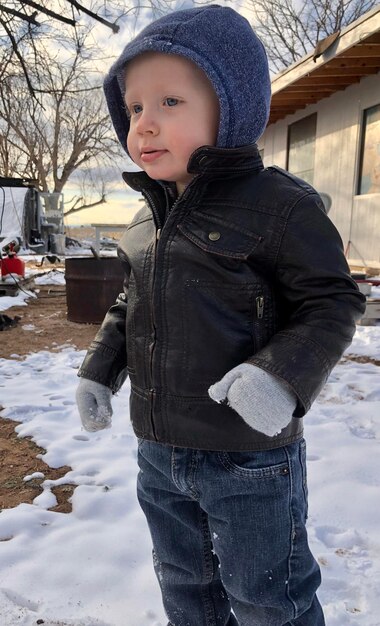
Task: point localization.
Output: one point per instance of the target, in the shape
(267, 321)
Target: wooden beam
(352, 62)
(322, 81)
(285, 107)
(361, 50)
(306, 88)
(375, 38)
(306, 96)
(345, 71)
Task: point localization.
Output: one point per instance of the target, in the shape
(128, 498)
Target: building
(325, 127)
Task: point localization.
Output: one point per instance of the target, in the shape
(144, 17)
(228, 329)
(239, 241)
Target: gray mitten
(263, 401)
(94, 404)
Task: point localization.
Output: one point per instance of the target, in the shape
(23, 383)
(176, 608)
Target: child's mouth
(148, 156)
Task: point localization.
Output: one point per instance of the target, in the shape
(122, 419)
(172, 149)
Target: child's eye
(171, 102)
(133, 109)
(136, 108)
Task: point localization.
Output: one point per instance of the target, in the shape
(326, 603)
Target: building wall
(337, 153)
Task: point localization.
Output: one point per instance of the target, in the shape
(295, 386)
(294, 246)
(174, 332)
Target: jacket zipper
(258, 325)
(260, 307)
(152, 391)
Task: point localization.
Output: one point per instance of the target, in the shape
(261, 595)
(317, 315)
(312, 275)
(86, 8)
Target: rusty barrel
(92, 286)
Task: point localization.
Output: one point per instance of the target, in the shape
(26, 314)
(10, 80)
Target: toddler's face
(173, 111)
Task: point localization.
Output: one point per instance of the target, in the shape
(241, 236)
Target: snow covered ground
(92, 567)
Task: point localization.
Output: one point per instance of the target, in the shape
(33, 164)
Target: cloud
(120, 208)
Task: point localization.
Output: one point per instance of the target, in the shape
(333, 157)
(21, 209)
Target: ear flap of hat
(117, 108)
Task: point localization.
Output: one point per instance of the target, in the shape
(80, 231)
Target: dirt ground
(43, 325)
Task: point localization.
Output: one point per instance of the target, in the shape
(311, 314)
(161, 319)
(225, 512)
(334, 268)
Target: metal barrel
(92, 286)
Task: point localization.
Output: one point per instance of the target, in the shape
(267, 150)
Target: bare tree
(22, 22)
(53, 122)
(290, 29)
(63, 130)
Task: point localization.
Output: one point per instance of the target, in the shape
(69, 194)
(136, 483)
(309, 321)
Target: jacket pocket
(216, 235)
(218, 329)
(218, 302)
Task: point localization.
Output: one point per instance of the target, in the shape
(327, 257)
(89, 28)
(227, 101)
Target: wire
(15, 207)
(52, 294)
(28, 293)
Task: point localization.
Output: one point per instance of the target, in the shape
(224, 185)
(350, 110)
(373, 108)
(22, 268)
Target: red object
(12, 265)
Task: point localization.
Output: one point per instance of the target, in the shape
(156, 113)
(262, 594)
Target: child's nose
(147, 123)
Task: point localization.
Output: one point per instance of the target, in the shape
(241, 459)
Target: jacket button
(214, 235)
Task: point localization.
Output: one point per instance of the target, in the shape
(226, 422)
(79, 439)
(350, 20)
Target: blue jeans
(229, 538)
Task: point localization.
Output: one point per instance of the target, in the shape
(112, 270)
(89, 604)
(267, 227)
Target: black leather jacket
(245, 267)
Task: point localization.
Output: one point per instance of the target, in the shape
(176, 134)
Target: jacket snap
(214, 236)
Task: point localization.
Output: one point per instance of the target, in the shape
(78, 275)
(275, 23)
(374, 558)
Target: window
(301, 147)
(369, 172)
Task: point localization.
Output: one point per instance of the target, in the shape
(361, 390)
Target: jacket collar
(209, 161)
(227, 161)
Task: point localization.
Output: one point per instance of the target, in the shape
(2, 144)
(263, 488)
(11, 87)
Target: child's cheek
(131, 145)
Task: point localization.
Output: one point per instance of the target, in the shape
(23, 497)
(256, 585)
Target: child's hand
(263, 401)
(94, 404)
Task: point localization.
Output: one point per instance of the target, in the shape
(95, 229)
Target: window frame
(362, 141)
(302, 119)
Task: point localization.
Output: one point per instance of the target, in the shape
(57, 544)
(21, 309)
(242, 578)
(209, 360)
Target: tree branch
(58, 90)
(114, 27)
(85, 206)
(56, 16)
(19, 56)
(22, 16)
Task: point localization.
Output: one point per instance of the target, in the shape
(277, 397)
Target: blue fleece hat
(222, 43)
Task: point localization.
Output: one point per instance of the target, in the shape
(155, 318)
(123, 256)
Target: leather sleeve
(323, 303)
(106, 358)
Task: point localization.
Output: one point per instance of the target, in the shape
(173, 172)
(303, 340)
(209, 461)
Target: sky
(92, 567)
